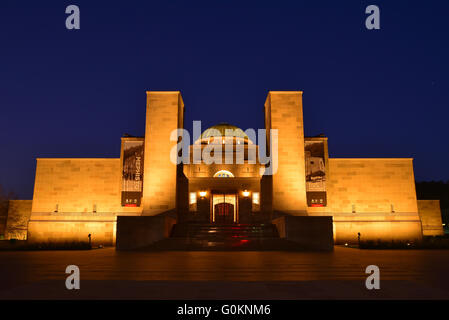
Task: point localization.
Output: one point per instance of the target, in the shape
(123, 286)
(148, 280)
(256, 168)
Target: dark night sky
(66, 93)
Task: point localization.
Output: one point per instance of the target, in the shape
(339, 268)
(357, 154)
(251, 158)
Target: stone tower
(165, 113)
(283, 111)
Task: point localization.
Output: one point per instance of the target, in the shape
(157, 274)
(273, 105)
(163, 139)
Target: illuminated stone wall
(76, 185)
(19, 212)
(375, 197)
(72, 227)
(283, 111)
(164, 114)
(430, 213)
(76, 188)
(376, 227)
(371, 185)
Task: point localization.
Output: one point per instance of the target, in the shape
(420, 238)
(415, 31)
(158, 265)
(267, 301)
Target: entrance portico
(224, 192)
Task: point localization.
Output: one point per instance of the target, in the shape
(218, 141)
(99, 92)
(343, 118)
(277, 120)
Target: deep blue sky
(66, 93)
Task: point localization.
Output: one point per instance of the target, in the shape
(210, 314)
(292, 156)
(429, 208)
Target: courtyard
(109, 274)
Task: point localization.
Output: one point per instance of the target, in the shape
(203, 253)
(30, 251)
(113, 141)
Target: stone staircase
(239, 237)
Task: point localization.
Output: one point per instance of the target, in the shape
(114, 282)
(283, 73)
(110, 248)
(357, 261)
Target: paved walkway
(106, 273)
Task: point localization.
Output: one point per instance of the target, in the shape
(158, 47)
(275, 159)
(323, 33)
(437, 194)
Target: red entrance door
(224, 213)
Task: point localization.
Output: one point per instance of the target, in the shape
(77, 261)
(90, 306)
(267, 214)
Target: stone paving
(108, 274)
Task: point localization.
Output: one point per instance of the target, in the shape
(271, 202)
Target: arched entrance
(224, 208)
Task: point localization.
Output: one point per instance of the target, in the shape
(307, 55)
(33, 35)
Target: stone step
(261, 244)
(224, 236)
(207, 236)
(212, 231)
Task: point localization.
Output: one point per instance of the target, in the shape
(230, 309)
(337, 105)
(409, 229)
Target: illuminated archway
(223, 174)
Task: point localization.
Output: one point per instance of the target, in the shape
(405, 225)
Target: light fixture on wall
(203, 194)
(246, 193)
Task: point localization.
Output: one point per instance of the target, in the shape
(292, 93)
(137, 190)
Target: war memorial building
(143, 197)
